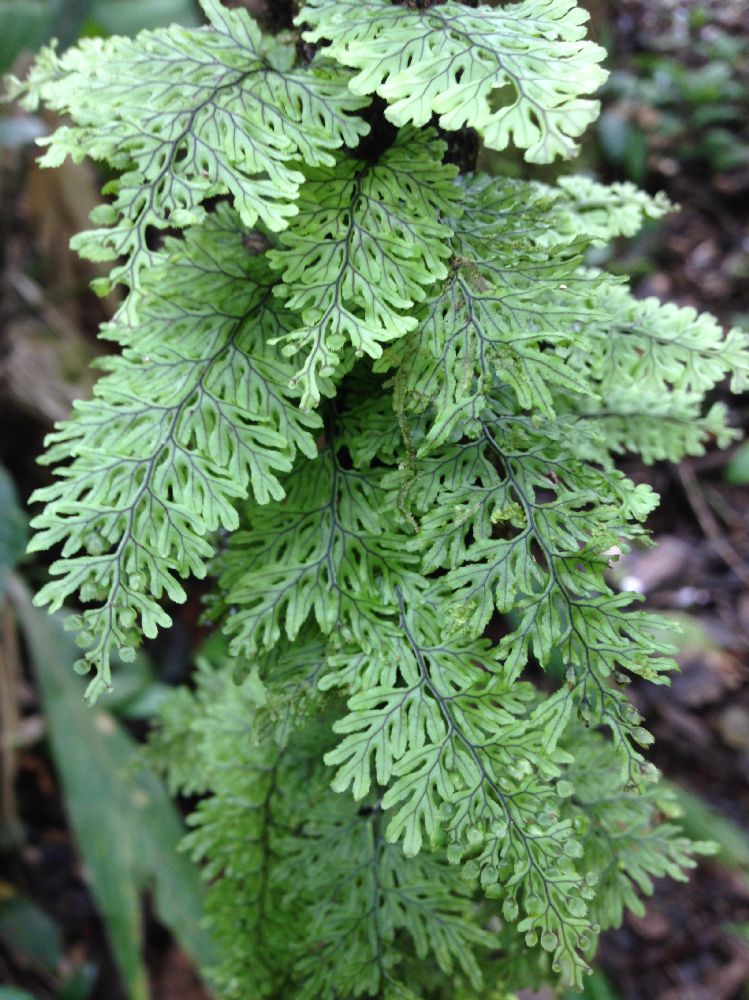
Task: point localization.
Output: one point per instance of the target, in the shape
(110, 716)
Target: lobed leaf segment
(381, 404)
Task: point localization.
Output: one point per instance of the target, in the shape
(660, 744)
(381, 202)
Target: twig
(709, 525)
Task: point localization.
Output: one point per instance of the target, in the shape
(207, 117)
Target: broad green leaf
(737, 469)
(29, 931)
(13, 527)
(128, 17)
(596, 987)
(26, 25)
(704, 823)
(125, 825)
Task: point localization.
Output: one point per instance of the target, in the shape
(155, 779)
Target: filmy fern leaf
(178, 431)
(495, 321)
(367, 242)
(460, 64)
(329, 549)
(460, 760)
(188, 114)
(381, 405)
(255, 838)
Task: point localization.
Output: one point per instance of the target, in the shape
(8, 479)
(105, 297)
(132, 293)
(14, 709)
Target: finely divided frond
(449, 737)
(579, 205)
(180, 429)
(368, 241)
(626, 846)
(362, 904)
(517, 73)
(188, 114)
(478, 379)
(506, 315)
(656, 426)
(645, 346)
(329, 550)
(523, 525)
(274, 841)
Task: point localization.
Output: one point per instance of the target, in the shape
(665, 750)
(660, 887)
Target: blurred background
(95, 901)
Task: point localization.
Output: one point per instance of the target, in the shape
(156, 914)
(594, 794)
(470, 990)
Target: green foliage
(179, 429)
(460, 63)
(366, 243)
(14, 532)
(269, 813)
(381, 404)
(686, 100)
(125, 825)
(241, 125)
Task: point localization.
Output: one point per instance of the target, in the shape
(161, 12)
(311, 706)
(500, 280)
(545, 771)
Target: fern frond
(237, 834)
(178, 431)
(267, 817)
(188, 114)
(656, 427)
(624, 841)
(361, 906)
(459, 62)
(385, 570)
(523, 525)
(448, 734)
(507, 314)
(368, 240)
(601, 211)
(646, 346)
(329, 550)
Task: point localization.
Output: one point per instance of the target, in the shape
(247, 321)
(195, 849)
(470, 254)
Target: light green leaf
(602, 211)
(178, 431)
(369, 240)
(186, 115)
(448, 736)
(515, 73)
(506, 314)
(328, 550)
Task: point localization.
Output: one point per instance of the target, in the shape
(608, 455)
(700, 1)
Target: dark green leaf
(737, 470)
(26, 929)
(128, 17)
(13, 528)
(126, 827)
(11, 993)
